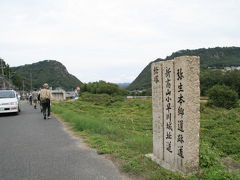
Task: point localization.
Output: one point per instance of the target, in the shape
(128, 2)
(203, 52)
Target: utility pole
(2, 66)
(31, 81)
(23, 85)
(4, 86)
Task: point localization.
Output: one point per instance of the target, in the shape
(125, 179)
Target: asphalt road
(32, 148)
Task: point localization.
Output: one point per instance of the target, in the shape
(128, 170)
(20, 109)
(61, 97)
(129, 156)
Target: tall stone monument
(176, 113)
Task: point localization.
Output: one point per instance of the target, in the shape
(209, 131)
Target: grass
(221, 129)
(123, 128)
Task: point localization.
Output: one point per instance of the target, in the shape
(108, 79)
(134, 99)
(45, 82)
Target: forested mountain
(212, 57)
(47, 71)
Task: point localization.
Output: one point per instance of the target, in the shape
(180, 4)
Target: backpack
(44, 96)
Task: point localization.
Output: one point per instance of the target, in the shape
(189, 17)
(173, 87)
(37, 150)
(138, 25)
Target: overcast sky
(112, 40)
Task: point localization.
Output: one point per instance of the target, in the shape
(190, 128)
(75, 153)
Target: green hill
(212, 57)
(47, 71)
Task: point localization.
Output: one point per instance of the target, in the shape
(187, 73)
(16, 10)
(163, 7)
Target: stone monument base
(161, 163)
(167, 166)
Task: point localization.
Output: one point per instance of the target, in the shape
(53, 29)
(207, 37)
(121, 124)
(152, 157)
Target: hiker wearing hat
(45, 99)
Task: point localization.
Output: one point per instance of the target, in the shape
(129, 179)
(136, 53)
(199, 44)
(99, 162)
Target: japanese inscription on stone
(176, 105)
(180, 106)
(157, 104)
(168, 111)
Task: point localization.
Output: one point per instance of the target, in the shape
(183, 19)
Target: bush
(101, 99)
(222, 96)
(102, 87)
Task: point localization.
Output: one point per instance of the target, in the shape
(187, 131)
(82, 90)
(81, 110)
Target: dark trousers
(46, 107)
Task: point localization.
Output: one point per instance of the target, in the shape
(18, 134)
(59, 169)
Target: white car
(9, 101)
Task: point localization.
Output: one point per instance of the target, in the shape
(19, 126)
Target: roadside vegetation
(222, 96)
(210, 78)
(123, 128)
(102, 87)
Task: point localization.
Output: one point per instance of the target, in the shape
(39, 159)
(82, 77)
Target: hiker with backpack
(45, 99)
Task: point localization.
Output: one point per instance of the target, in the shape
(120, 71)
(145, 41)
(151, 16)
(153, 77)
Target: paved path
(35, 149)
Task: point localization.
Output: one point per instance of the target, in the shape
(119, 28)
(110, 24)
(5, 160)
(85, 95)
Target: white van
(9, 101)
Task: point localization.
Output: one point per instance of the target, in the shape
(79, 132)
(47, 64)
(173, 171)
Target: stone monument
(176, 113)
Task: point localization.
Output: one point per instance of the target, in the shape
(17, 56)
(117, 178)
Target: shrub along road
(32, 148)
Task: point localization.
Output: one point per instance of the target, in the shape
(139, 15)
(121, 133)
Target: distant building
(58, 94)
(227, 68)
(71, 95)
(231, 68)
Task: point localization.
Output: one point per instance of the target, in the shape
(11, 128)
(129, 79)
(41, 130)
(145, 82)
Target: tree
(102, 87)
(232, 79)
(222, 96)
(209, 78)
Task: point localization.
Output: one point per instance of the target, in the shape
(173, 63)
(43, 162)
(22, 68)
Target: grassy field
(123, 128)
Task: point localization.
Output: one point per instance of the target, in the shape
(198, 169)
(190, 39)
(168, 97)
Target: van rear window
(7, 94)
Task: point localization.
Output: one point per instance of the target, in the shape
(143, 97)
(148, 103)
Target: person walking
(45, 98)
(30, 98)
(35, 98)
(39, 100)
